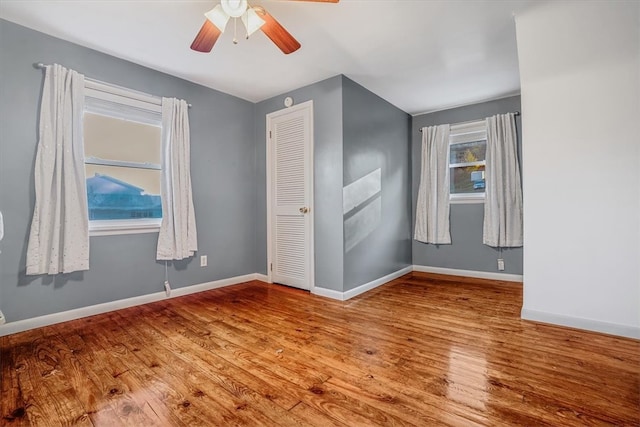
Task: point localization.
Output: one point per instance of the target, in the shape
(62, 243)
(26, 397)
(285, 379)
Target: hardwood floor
(417, 351)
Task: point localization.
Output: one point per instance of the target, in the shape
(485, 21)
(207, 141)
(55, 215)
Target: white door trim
(270, 176)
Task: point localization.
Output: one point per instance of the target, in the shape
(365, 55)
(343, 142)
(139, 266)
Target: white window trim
(122, 95)
(124, 226)
(460, 134)
(466, 198)
(106, 162)
(120, 103)
(464, 165)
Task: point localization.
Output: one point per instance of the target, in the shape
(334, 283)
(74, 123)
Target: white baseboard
(469, 273)
(581, 323)
(343, 296)
(539, 316)
(527, 314)
(262, 277)
(375, 283)
(328, 293)
(51, 319)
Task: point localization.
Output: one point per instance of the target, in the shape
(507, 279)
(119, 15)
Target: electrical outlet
(2, 318)
(167, 288)
(203, 261)
(500, 264)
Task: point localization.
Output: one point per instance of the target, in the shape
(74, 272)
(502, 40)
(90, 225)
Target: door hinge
(271, 266)
(269, 134)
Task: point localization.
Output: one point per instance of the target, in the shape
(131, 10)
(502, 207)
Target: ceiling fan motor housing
(234, 8)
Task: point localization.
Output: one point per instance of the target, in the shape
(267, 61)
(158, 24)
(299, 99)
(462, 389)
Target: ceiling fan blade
(206, 38)
(276, 32)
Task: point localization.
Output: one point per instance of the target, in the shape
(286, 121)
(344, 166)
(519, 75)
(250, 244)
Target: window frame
(461, 133)
(126, 104)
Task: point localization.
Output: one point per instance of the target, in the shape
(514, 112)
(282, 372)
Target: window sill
(461, 199)
(115, 227)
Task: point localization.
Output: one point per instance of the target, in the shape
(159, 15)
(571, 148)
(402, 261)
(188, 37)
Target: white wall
(580, 76)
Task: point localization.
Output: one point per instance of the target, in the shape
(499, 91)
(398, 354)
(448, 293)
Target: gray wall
(466, 251)
(354, 132)
(376, 135)
(327, 109)
(222, 152)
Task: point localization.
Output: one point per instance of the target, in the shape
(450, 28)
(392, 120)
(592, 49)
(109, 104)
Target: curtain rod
(517, 113)
(41, 66)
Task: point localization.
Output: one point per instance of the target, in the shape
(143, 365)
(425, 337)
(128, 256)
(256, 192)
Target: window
(123, 151)
(467, 161)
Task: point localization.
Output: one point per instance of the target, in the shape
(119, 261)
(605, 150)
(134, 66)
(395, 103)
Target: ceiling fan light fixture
(252, 21)
(218, 17)
(234, 8)
(253, 18)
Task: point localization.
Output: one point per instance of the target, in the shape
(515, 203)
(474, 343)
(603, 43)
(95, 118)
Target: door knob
(304, 210)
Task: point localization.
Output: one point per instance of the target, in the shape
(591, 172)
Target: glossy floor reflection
(417, 351)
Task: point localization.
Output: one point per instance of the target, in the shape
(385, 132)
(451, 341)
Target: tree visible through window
(467, 163)
(467, 160)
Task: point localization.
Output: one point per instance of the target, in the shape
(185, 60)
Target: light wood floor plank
(125, 390)
(12, 404)
(421, 350)
(466, 363)
(380, 371)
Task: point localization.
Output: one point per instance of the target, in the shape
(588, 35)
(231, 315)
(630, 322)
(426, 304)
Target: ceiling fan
(253, 17)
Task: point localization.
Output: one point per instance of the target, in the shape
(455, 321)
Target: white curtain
(432, 210)
(178, 237)
(59, 237)
(503, 194)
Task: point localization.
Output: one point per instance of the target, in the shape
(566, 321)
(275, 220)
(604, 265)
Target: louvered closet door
(291, 180)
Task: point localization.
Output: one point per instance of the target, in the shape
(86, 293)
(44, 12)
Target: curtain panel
(59, 235)
(178, 236)
(432, 209)
(502, 226)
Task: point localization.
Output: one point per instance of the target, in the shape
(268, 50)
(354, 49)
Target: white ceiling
(420, 55)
